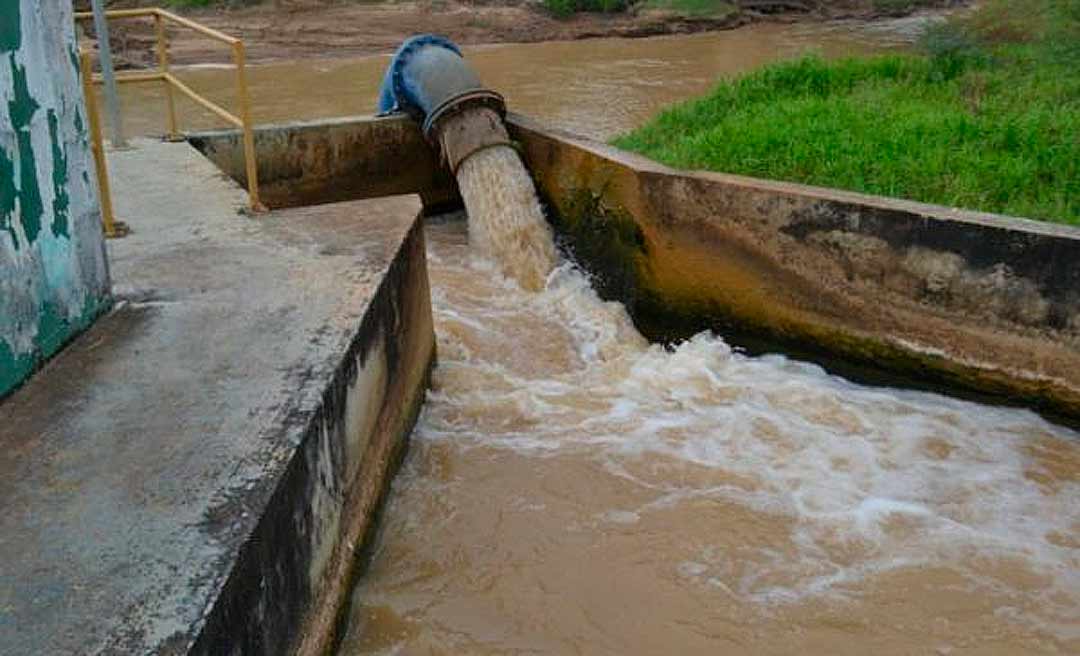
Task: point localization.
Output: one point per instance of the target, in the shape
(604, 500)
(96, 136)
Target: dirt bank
(302, 29)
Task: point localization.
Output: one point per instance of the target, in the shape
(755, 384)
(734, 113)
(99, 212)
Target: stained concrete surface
(137, 462)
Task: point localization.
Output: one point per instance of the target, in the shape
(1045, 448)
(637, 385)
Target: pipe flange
(456, 104)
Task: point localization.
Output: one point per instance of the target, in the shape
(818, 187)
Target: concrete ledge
(197, 472)
(957, 300)
(350, 158)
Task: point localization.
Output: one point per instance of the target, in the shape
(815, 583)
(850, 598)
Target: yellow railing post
(163, 66)
(93, 119)
(245, 127)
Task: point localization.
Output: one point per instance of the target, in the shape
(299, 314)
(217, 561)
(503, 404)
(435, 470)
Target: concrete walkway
(135, 465)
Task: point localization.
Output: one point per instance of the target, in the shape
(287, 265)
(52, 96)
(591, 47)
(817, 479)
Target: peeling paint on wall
(53, 273)
(10, 26)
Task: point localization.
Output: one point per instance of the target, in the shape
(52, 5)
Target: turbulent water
(573, 489)
(506, 222)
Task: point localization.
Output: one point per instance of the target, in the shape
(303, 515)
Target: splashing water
(505, 219)
(574, 489)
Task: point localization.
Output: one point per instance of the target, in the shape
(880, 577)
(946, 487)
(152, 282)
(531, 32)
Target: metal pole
(112, 98)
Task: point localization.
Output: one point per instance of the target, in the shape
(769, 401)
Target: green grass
(989, 128)
(564, 8)
(713, 8)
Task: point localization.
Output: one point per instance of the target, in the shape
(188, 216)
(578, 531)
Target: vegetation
(988, 118)
(564, 8)
(711, 8)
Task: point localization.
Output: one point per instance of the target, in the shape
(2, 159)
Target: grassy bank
(988, 118)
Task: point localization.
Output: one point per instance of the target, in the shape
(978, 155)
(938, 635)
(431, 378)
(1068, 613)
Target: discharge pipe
(429, 79)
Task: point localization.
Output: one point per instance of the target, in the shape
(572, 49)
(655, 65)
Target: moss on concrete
(609, 238)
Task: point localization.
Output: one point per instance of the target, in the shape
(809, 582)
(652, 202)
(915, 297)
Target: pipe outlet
(429, 79)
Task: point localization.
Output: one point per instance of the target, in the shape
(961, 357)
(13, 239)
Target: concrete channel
(878, 289)
(257, 382)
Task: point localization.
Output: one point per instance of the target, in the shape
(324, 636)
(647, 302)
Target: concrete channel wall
(309, 163)
(873, 287)
(292, 577)
(53, 276)
(876, 288)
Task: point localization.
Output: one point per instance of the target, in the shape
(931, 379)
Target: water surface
(595, 87)
(572, 489)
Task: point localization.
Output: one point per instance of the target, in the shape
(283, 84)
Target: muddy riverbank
(307, 29)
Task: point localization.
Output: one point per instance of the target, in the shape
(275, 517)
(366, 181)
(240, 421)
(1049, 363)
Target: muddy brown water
(572, 489)
(595, 87)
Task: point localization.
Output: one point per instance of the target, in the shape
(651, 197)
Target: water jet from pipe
(429, 79)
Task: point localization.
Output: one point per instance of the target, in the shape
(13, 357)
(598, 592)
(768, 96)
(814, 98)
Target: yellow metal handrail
(96, 147)
(171, 82)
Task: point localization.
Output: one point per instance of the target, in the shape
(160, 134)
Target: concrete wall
(53, 275)
(290, 583)
(879, 289)
(308, 163)
(876, 288)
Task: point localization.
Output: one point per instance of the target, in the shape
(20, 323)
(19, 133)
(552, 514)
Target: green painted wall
(53, 274)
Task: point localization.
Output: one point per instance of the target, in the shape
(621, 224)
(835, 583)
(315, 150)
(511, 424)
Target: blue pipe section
(429, 79)
(400, 91)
